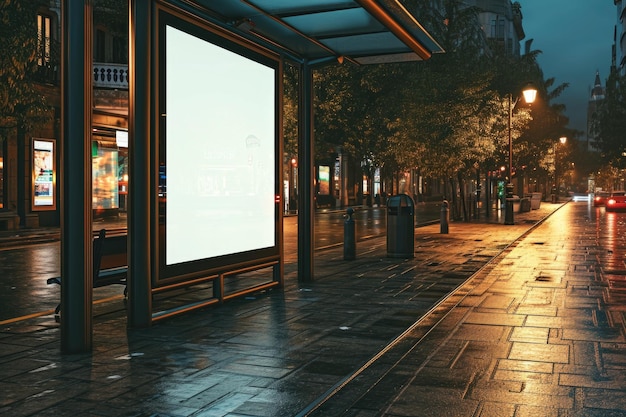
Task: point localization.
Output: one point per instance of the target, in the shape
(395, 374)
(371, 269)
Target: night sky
(575, 38)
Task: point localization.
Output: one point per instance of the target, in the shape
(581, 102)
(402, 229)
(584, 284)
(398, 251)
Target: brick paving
(488, 320)
(539, 334)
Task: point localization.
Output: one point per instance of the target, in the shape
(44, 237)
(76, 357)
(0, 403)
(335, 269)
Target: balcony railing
(110, 76)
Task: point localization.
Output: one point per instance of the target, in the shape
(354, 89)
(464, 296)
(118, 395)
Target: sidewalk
(536, 332)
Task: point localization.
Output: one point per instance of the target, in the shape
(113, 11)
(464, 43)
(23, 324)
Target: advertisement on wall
(43, 175)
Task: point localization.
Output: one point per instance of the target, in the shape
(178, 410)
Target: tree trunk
(462, 194)
(488, 184)
(454, 200)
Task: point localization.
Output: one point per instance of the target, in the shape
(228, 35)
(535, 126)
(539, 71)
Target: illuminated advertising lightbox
(43, 175)
(218, 150)
(324, 179)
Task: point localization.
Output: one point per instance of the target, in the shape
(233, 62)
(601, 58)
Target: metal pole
(556, 175)
(75, 184)
(306, 196)
(444, 219)
(509, 216)
(349, 236)
(140, 152)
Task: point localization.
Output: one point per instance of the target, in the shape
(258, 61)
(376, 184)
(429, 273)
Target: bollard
(509, 217)
(349, 236)
(445, 217)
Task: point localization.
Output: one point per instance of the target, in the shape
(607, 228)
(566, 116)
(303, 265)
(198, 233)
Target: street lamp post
(562, 139)
(529, 96)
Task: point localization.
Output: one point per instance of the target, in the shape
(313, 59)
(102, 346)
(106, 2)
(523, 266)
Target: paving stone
(534, 411)
(496, 409)
(530, 334)
(609, 379)
(525, 366)
(603, 335)
(479, 332)
(524, 376)
(496, 319)
(499, 391)
(540, 352)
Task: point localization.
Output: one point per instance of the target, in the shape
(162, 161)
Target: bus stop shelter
(260, 35)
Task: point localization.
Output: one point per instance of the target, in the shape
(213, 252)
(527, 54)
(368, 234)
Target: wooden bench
(109, 262)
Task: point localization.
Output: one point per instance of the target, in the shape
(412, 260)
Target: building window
(120, 50)
(99, 50)
(44, 40)
(497, 29)
(110, 48)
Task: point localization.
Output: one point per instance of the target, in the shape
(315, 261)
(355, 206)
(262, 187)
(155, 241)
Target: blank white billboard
(220, 150)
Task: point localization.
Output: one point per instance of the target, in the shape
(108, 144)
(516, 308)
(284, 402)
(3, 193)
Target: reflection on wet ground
(537, 332)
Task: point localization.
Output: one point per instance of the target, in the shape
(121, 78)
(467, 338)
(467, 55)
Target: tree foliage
(446, 116)
(22, 104)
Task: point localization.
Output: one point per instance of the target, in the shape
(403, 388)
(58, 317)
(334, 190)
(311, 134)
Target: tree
(22, 105)
(451, 107)
(290, 110)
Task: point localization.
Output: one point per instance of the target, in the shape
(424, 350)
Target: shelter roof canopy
(365, 31)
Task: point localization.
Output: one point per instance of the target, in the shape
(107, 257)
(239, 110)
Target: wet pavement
(29, 257)
(488, 320)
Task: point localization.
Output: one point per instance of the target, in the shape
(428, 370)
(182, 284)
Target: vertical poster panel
(324, 179)
(218, 143)
(43, 174)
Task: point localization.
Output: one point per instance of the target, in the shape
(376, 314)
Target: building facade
(595, 98)
(619, 45)
(501, 21)
(30, 161)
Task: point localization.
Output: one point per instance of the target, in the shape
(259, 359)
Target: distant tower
(596, 97)
(619, 38)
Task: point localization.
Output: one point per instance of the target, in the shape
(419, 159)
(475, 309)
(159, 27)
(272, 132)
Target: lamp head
(530, 93)
(563, 139)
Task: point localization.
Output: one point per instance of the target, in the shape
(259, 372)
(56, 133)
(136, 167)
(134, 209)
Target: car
(599, 199)
(616, 201)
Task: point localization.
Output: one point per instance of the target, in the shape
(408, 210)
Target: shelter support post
(75, 184)
(306, 196)
(141, 156)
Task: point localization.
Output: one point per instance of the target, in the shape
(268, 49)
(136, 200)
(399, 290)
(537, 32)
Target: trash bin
(524, 205)
(516, 203)
(535, 201)
(400, 226)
